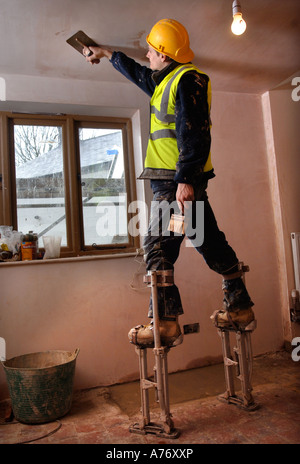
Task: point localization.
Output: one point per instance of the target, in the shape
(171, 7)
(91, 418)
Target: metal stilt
(238, 363)
(166, 427)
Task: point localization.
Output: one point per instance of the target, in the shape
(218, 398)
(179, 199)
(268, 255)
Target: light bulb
(238, 25)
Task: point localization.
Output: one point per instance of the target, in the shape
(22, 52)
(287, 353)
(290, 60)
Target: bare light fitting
(238, 25)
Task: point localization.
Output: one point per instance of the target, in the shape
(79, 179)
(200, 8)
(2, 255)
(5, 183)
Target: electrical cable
(33, 439)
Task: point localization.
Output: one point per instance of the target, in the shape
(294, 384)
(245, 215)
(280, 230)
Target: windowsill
(68, 260)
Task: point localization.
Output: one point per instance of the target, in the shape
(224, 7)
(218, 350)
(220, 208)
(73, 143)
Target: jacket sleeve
(136, 73)
(192, 127)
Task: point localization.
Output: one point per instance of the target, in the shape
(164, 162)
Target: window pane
(40, 180)
(103, 186)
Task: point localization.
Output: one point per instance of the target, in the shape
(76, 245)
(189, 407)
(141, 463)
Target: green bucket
(41, 385)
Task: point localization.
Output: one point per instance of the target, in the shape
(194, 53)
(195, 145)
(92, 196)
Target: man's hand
(185, 192)
(97, 54)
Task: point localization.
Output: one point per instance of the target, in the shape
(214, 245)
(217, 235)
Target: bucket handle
(76, 353)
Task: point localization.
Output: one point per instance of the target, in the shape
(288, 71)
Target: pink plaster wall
(285, 117)
(240, 196)
(91, 305)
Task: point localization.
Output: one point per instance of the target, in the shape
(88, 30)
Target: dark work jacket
(191, 113)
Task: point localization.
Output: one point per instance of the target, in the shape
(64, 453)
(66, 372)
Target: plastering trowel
(81, 40)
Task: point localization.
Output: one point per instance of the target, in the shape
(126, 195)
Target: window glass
(103, 186)
(40, 186)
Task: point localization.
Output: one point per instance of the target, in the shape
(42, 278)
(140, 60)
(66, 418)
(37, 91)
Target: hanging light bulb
(238, 25)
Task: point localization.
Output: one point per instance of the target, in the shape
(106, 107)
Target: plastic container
(41, 385)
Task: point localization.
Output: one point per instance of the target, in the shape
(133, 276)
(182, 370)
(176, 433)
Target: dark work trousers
(162, 247)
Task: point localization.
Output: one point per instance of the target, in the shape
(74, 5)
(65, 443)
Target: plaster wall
(91, 304)
(282, 119)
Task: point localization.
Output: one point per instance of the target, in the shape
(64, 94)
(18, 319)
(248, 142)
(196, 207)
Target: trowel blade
(79, 39)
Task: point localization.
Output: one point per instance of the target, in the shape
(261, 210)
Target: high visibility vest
(162, 150)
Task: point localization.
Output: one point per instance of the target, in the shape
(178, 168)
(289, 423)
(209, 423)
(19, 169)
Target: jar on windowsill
(29, 246)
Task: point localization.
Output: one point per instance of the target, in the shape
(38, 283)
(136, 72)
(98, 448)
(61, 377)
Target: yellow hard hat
(170, 37)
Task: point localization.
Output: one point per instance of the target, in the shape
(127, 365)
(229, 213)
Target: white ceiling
(33, 37)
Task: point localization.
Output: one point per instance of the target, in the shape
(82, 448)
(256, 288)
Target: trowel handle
(84, 46)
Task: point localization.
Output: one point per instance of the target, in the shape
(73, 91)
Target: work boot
(236, 320)
(170, 334)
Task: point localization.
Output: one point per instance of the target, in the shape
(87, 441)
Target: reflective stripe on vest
(162, 114)
(162, 150)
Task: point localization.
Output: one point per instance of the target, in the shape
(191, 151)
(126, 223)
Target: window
(68, 176)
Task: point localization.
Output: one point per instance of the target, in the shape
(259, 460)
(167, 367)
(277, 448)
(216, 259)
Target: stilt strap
(237, 274)
(135, 334)
(163, 278)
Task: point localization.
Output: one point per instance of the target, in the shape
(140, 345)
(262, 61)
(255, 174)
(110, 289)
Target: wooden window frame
(74, 217)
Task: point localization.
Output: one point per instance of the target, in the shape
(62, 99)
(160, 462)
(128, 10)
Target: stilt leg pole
(229, 364)
(166, 428)
(239, 364)
(142, 354)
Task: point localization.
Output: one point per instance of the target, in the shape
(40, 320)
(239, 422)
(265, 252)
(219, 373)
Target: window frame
(70, 125)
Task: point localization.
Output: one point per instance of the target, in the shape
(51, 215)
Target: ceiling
(33, 36)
